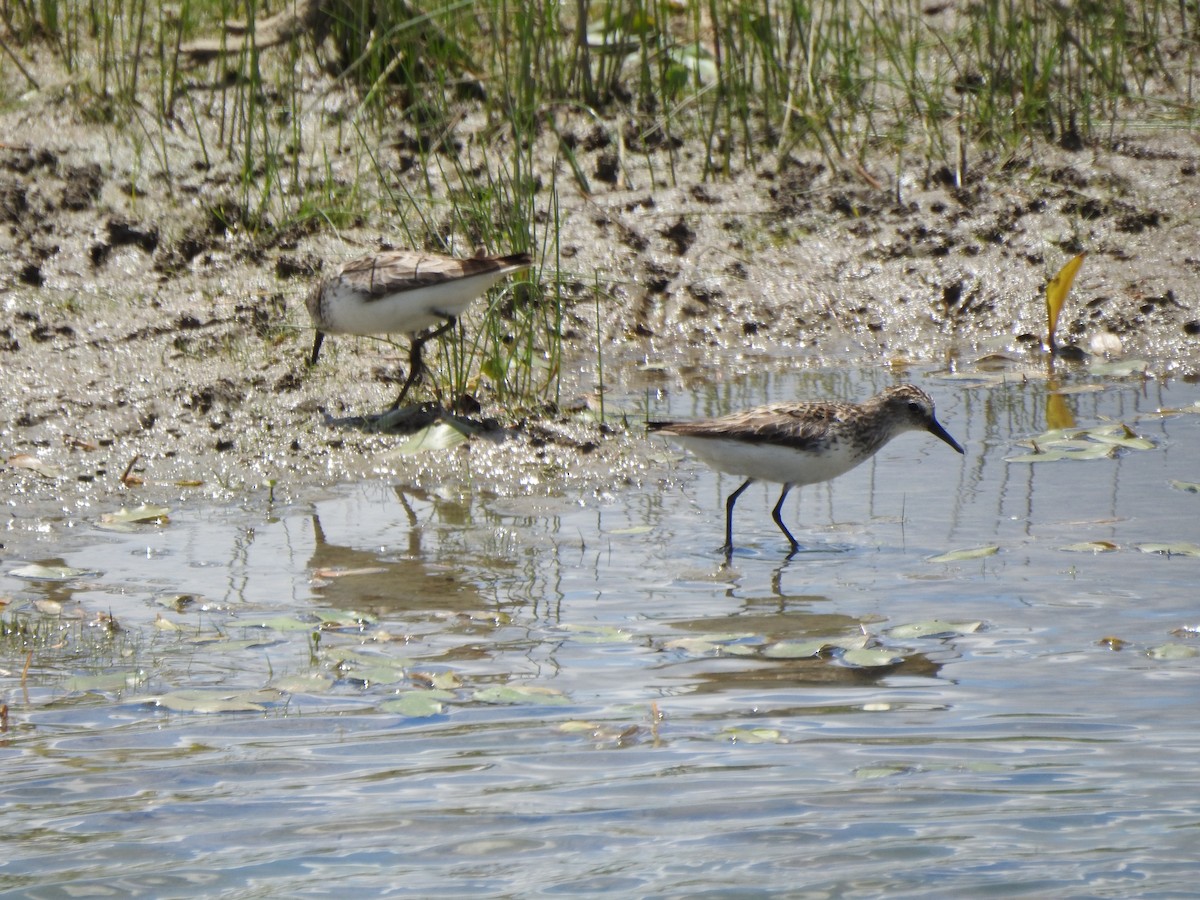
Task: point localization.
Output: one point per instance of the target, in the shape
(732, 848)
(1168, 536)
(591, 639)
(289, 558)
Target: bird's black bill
(316, 348)
(935, 427)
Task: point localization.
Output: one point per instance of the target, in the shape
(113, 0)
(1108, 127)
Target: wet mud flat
(141, 328)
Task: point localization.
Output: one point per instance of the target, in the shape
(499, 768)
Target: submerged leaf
(598, 634)
(966, 554)
(330, 573)
(164, 624)
(796, 649)
(282, 623)
(933, 628)
(310, 683)
(201, 701)
(754, 735)
(869, 773)
(106, 682)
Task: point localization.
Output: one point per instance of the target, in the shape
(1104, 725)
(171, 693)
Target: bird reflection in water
(387, 580)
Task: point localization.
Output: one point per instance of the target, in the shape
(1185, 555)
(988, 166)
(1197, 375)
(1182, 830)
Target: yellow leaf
(1056, 295)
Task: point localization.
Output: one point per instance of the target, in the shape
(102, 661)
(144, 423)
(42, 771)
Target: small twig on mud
(17, 62)
(128, 479)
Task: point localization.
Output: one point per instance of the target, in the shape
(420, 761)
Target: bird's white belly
(348, 311)
(768, 462)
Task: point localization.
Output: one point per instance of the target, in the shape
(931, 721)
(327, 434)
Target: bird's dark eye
(915, 407)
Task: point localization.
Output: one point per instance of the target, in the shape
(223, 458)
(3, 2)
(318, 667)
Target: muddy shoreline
(137, 325)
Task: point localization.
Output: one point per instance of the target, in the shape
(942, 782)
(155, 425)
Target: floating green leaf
(1093, 451)
(1173, 651)
(1189, 487)
(1096, 442)
(1129, 441)
(754, 735)
(212, 701)
(1181, 548)
(441, 435)
(441, 681)
(414, 705)
(870, 658)
(376, 671)
(1091, 547)
(966, 554)
(138, 515)
(731, 644)
(933, 628)
(521, 694)
(796, 649)
(348, 656)
(38, 572)
(1120, 368)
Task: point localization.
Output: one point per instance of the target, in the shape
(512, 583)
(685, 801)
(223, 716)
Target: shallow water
(550, 695)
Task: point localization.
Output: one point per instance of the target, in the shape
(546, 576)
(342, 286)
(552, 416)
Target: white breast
(768, 462)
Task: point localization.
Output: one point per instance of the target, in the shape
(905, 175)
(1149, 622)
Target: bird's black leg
(415, 365)
(728, 548)
(776, 514)
(316, 348)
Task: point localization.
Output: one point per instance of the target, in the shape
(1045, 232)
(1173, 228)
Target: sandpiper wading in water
(802, 443)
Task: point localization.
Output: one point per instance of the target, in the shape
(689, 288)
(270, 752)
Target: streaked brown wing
(801, 426)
